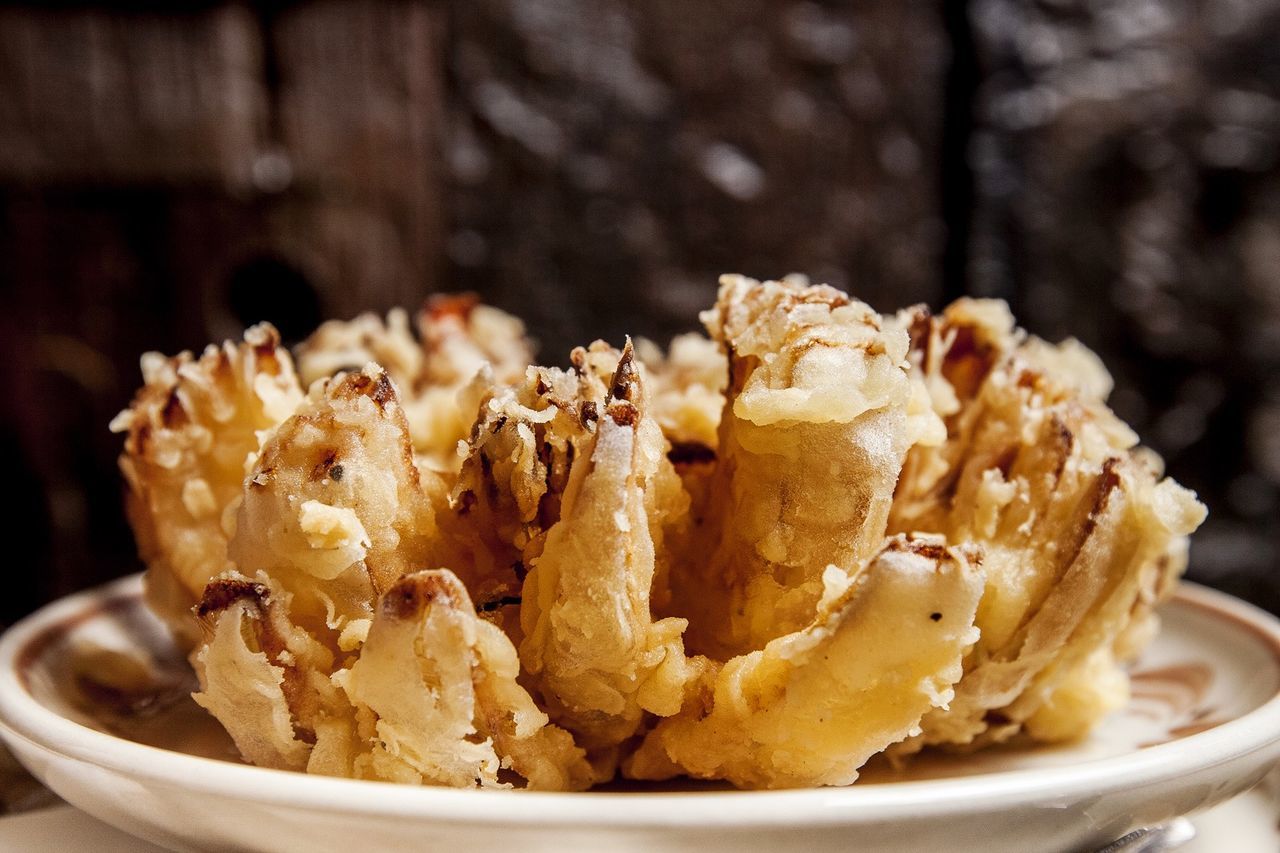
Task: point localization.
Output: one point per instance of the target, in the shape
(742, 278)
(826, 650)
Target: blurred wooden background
(172, 171)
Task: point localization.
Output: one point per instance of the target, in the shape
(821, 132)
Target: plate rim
(23, 717)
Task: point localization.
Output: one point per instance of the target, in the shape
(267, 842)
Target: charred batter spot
(588, 414)
(498, 424)
(378, 389)
(690, 453)
(920, 331)
(402, 601)
(336, 473)
(222, 593)
(625, 379)
(624, 414)
(495, 603)
(174, 414)
(324, 468)
(359, 383)
(383, 391)
(413, 593)
(444, 306)
(1066, 441)
(1106, 484)
(929, 550)
(1066, 438)
(935, 616)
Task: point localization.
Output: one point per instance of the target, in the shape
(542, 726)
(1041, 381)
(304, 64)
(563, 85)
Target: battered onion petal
(812, 438)
(1080, 533)
(460, 336)
(457, 337)
(524, 439)
(436, 689)
(190, 430)
(262, 677)
(591, 645)
(333, 508)
(686, 388)
(345, 346)
(811, 707)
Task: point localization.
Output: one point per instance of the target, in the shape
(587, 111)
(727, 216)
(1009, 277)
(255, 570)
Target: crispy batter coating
(437, 687)
(346, 346)
(812, 438)
(591, 644)
(457, 337)
(264, 678)
(333, 508)
(516, 468)
(686, 388)
(1080, 533)
(811, 707)
(189, 431)
(431, 699)
(443, 565)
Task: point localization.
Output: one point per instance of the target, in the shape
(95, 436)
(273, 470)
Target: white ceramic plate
(1204, 725)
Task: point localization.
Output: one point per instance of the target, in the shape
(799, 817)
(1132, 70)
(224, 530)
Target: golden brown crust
(878, 533)
(188, 434)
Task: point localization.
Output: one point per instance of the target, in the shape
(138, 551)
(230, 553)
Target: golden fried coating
(333, 508)
(436, 689)
(811, 707)
(686, 389)
(190, 430)
(1078, 529)
(591, 644)
(517, 461)
(346, 346)
(812, 438)
(524, 439)
(264, 678)
(457, 337)
(431, 699)
(444, 565)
